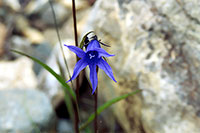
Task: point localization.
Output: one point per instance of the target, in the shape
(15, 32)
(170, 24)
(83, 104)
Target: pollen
(91, 56)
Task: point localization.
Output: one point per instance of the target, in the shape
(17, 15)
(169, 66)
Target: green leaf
(68, 103)
(58, 77)
(83, 39)
(67, 98)
(105, 106)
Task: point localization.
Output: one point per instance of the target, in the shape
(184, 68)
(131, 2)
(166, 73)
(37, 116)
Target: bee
(89, 37)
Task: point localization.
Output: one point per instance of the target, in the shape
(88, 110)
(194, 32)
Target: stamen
(91, 56)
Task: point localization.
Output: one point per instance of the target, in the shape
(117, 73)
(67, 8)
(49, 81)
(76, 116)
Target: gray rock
(42, 9)
(61, 14)
(42, 56)
(156, 45)
(64, 126)
(17, 74)
(36, 6)
(32, 34)
(25, 111)
(40, 51)
(13, 4)
(20, 43)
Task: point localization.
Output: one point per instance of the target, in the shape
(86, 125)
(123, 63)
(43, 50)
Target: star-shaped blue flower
(92, 57)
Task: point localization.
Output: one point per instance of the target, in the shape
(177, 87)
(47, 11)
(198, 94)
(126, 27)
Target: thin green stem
(59, 38)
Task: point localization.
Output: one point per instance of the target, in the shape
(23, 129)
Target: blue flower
(92, 57)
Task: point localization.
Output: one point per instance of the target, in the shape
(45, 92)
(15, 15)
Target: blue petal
(79, 52)
(92, 45)
(80, 65)
(107, 69)
(102, 52)
(93, 77)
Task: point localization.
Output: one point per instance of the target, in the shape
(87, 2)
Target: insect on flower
(92, 56)
(89, 38)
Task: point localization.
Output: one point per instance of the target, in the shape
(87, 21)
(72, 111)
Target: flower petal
(107, 69)
(102, 52)
(80, 65)
(92, 45)
(93, 77)
(79, 52)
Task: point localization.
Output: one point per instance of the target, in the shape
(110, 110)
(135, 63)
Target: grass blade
(105, 106)
(58, 77)
(59, 38)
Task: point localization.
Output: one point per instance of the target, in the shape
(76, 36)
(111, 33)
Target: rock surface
(20, 113)
(157, 46)
(33, 35)
(13, 4)
(61, 14)
(64, 126)
(13, 75)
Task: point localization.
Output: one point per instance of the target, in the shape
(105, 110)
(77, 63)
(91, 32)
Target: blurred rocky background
(157, 49)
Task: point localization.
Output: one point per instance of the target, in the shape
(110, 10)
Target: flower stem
(76, 123)
(76, 43)
(76, 117)
(74, 19)
(95, 107)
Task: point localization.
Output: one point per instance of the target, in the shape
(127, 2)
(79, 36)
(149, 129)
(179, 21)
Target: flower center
(91, 56)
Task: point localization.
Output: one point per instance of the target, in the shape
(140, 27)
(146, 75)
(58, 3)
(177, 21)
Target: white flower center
(91, 56)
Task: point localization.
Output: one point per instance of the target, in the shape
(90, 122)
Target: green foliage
(105, 106)
(58, 77)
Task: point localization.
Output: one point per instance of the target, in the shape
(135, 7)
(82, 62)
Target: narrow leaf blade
(105, 106)
(58, 77)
